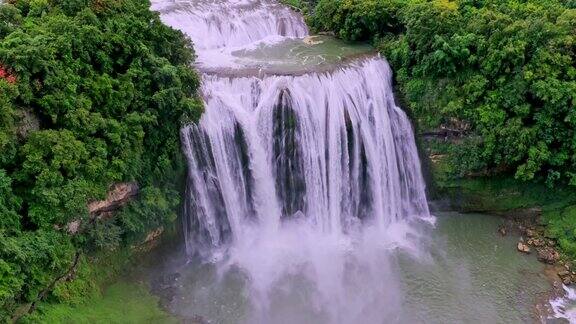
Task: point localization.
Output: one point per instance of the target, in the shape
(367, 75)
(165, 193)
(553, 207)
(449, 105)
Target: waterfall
(313, 177)
(331, 149)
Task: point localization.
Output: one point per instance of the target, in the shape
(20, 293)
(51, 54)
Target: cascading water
(306, 183)
(332, 149)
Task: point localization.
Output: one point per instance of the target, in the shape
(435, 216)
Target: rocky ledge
(118, 195)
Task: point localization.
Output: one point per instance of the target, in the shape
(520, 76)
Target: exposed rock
(502, 230)
(27, 122)
(525, 217)
(150, 241)
(154, 235)
(74, 227)
(548, 255)
(522, 247)
(530, 232)
(436, 158)
(118, 195)
(536, 242)
(312, 40)
(564, 273)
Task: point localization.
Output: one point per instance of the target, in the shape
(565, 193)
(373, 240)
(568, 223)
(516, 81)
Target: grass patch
(105, 290)
(121, 303)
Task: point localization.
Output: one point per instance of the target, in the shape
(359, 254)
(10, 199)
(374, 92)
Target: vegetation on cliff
(92, 92)
(502, 73)
(496, 77)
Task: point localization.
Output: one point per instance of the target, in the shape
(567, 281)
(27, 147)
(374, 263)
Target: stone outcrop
(151, 241)
(118, 195)
(548, 255)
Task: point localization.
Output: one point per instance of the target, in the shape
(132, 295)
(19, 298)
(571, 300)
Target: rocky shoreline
(532, 239)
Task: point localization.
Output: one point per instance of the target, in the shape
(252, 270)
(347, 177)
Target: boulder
(563, 273)
(548, 255)
(523, 247)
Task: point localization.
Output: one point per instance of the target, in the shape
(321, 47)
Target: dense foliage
(502, 74)
(92, 92)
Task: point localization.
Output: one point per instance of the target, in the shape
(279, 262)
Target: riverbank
(537, 217)
(121, 302)
(110, 287)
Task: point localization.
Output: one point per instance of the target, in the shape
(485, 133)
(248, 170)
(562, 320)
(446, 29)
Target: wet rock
(522, 228)
(166, 287)
(502, 230)
(548, 255)
(523, 247)
(166, 281)
(566, 280)
(536, 242)
(563, 273)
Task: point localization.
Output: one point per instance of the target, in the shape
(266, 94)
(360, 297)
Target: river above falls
(469, 274)
(284, 56)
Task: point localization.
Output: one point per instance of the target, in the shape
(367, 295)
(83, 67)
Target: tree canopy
(502, 72)
(92, 92)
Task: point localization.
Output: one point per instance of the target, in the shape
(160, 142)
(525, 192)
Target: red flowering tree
(4, 74)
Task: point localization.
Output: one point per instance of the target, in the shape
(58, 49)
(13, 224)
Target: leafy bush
(92, 92)
(506, 70)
